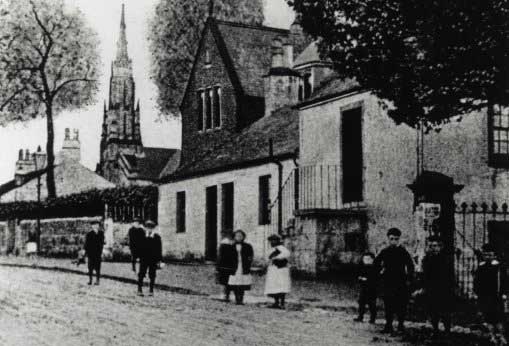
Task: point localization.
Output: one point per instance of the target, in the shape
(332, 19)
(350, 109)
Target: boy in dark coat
(397, 268)
(489, 286)
(151, 253)
(94, 243)
(367, 294)
(438, 284)
(136, 237)
(225, 263)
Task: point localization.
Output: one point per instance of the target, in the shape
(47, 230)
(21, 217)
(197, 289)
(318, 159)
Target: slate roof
(249, 48)
(248, 147)
(309, 55)
(331, 87)
(150, 165)
(11, 184)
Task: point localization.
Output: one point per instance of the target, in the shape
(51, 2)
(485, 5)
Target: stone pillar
(437, 188)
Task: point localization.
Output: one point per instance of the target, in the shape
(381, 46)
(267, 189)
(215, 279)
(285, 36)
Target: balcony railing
(315, 187)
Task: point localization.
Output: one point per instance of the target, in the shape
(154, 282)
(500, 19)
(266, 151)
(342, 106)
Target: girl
(278, 283)
(241, 280)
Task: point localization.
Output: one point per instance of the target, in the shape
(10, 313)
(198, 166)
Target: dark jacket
(227, 258)
(368, 277)
(490, 280)
(247, 254)
(151, 249)
(94, 243)
(136, 238)
(396, 267)
(438, 281)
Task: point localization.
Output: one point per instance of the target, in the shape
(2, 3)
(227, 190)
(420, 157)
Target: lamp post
(38, 236)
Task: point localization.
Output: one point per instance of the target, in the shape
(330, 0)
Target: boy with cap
(368, 281)
(489, 286)
(136, 237)
(94, 243)
(438, 284)
(397, 268)
(151, 253)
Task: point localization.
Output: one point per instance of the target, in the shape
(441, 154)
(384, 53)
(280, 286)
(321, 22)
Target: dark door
(499, 238)
(211, 223)
(227, 210)
(351, 155)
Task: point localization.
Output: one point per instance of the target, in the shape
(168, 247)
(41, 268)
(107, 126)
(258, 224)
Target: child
(225, 263)
(278, 282)
(367, 295)
(81, 258)
(489, 286)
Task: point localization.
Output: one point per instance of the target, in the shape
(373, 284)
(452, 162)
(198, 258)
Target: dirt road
(46, 308)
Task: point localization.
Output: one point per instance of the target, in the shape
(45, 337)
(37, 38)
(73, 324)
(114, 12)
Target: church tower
(121, 123)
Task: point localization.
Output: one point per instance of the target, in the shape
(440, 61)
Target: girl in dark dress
(225, 262)
(241, 280)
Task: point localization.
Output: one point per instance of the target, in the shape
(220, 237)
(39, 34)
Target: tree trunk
(50, 175)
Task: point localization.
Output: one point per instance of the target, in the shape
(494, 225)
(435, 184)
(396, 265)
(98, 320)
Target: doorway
(211, 223)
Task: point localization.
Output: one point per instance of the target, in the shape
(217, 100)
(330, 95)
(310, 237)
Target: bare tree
(48, 64)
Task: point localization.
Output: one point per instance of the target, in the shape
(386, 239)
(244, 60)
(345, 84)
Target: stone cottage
(239, 137)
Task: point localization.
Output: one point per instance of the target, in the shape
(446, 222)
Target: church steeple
(122, 55)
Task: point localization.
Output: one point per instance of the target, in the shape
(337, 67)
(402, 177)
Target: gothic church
(123, 158)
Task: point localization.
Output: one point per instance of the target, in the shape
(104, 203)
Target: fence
(478, 224)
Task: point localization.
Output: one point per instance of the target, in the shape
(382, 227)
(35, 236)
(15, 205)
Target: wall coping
(332, 212)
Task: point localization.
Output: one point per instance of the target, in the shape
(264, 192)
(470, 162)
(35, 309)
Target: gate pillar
(437, 188)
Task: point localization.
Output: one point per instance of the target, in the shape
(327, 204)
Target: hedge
(89, 203)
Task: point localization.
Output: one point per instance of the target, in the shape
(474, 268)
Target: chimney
(71, 149)
(281, 84)
(288, 54)
(24, 165)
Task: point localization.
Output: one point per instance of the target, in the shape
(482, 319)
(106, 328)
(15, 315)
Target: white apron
(278, 279)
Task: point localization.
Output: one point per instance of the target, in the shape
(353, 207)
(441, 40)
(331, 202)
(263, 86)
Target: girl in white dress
(278, 282)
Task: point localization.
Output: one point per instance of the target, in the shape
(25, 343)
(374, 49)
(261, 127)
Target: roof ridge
(252, 26)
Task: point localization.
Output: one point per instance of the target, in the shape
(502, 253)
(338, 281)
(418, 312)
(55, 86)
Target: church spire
(122, 55)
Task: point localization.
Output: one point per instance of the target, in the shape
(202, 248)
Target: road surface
(50, 308)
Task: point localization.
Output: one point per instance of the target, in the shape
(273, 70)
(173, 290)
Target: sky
(104, 17)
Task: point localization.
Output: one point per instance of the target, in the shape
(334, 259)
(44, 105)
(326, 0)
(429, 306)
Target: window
(351, 155)
(208, 60)
(199, 103)
(209, 108)
(354, 242)
(499, 137)
(308, 87)
(217, 106)
(181, 212)
(227, 207)
(264, 200)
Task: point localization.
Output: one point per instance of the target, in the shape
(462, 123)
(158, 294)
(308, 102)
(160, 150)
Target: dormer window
(209, 108)
(499, 137)
(208, 60)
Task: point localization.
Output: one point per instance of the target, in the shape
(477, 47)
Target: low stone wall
(324, 243)
(64, 237)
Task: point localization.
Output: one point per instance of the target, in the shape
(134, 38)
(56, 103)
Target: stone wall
(64, 237)
(459, 150)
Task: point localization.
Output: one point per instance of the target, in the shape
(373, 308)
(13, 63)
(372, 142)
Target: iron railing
(475, 224)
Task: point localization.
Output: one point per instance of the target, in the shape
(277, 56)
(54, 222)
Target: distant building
(240, 138)
(70, 175)
(123, 158)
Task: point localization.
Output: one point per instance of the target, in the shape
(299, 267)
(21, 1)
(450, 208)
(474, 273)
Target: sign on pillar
(426, 224)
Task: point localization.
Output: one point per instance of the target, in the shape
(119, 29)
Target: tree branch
(12, 97)
(86, 80)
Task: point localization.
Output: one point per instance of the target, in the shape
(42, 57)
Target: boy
(151, 254)
(94, 243)
(438, 285)
(367, 295)
(225, 262)
(489, 286)
(397, 268)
